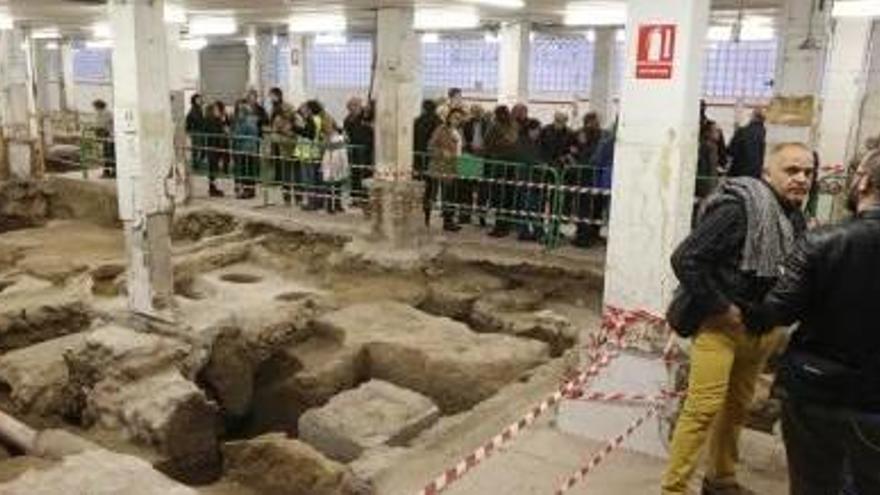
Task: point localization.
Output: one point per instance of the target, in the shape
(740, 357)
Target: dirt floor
(276, 318)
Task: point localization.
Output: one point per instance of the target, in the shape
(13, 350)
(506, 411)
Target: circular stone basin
(292, 296)
(240, 278)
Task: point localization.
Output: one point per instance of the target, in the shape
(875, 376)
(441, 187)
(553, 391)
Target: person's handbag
(681, 315)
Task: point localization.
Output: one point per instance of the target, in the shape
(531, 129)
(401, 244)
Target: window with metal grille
(560, 64)
(92, 65)
(339, 63)
(277, 71)
(743, 69)
(466, 60)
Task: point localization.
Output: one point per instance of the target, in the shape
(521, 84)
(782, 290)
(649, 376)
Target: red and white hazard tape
(612, 445)
(621, 397)
(508, 434)
(604, 350)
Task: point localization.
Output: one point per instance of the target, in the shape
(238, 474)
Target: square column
(601, 99)
(144, 151)
(800, 69)
(656, 152)
(18, 108)
(296, 85)
(844, 89)
(514, 58)
(68, 84)
(396, 199)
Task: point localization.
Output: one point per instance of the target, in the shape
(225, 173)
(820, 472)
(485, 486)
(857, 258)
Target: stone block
(519, 313)
(163, 410)
(30, 318)
(301, 377)
(435, 356)
(454, 295)
(376, 413)
(282, 466)
(95, 472)
(54, 269)
(37, 374)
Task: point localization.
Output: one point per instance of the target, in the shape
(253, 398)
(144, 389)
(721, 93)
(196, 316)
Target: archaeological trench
(294, 366)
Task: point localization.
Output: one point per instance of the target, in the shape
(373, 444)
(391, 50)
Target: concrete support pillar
(68, 82)
(800, 64)
(23, 146)
(655, 158)
(260, 61)
(602, 83)
(144, 151)
(396, 199)
(297, 84)
(844, 88)
(514, 58)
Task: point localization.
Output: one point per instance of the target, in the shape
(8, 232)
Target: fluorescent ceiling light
(175, 14)
(210, 26)
(99, 44)
(5, 21)
(595, 14)
(856, 8)
(317, 23)
(330, 39)
(431, 19)
(46, 34)
(194, 44)
(506, 4)
(52, 45)
(101, 30)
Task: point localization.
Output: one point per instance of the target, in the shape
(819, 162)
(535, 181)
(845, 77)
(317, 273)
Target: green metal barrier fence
(533, 201)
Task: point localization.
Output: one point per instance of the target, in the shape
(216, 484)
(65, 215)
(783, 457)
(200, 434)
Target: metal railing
(537, 202)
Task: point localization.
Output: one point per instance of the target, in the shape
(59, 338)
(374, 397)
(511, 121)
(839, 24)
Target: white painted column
(602, 83)
(68, 82)
(144, 150)
(514, 58)
(395, 198)
(799, 71)
(297, 84)
(844, 88)
(23, 152)
(260, 52)
(655, 159)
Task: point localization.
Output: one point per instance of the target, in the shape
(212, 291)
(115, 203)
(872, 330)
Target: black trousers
(444, 188)
(827, 446)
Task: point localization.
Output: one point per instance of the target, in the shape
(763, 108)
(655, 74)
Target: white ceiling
(75, 15)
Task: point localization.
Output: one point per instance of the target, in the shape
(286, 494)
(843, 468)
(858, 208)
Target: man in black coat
(747, 148)
(830, 373)
(425, 125)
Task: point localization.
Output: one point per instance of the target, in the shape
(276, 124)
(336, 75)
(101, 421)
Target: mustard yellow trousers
(724, 369)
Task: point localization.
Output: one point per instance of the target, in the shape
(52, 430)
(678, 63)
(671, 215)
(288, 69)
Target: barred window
(744, 69)
(465, 60)
(560, 64)
(93, 65)
(339, 63)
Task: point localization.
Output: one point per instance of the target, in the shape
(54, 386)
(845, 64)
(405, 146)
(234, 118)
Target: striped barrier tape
(610, 447)
(622, 397)
(483, 452)
(605, 349)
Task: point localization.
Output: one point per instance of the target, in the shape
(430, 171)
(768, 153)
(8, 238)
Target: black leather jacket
(831, 284)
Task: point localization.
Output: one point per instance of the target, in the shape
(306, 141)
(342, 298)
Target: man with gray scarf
(726, 267)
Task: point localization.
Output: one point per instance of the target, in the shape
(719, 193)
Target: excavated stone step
(375, 414)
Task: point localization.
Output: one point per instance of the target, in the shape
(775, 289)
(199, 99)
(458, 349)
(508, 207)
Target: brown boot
(725, 488)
